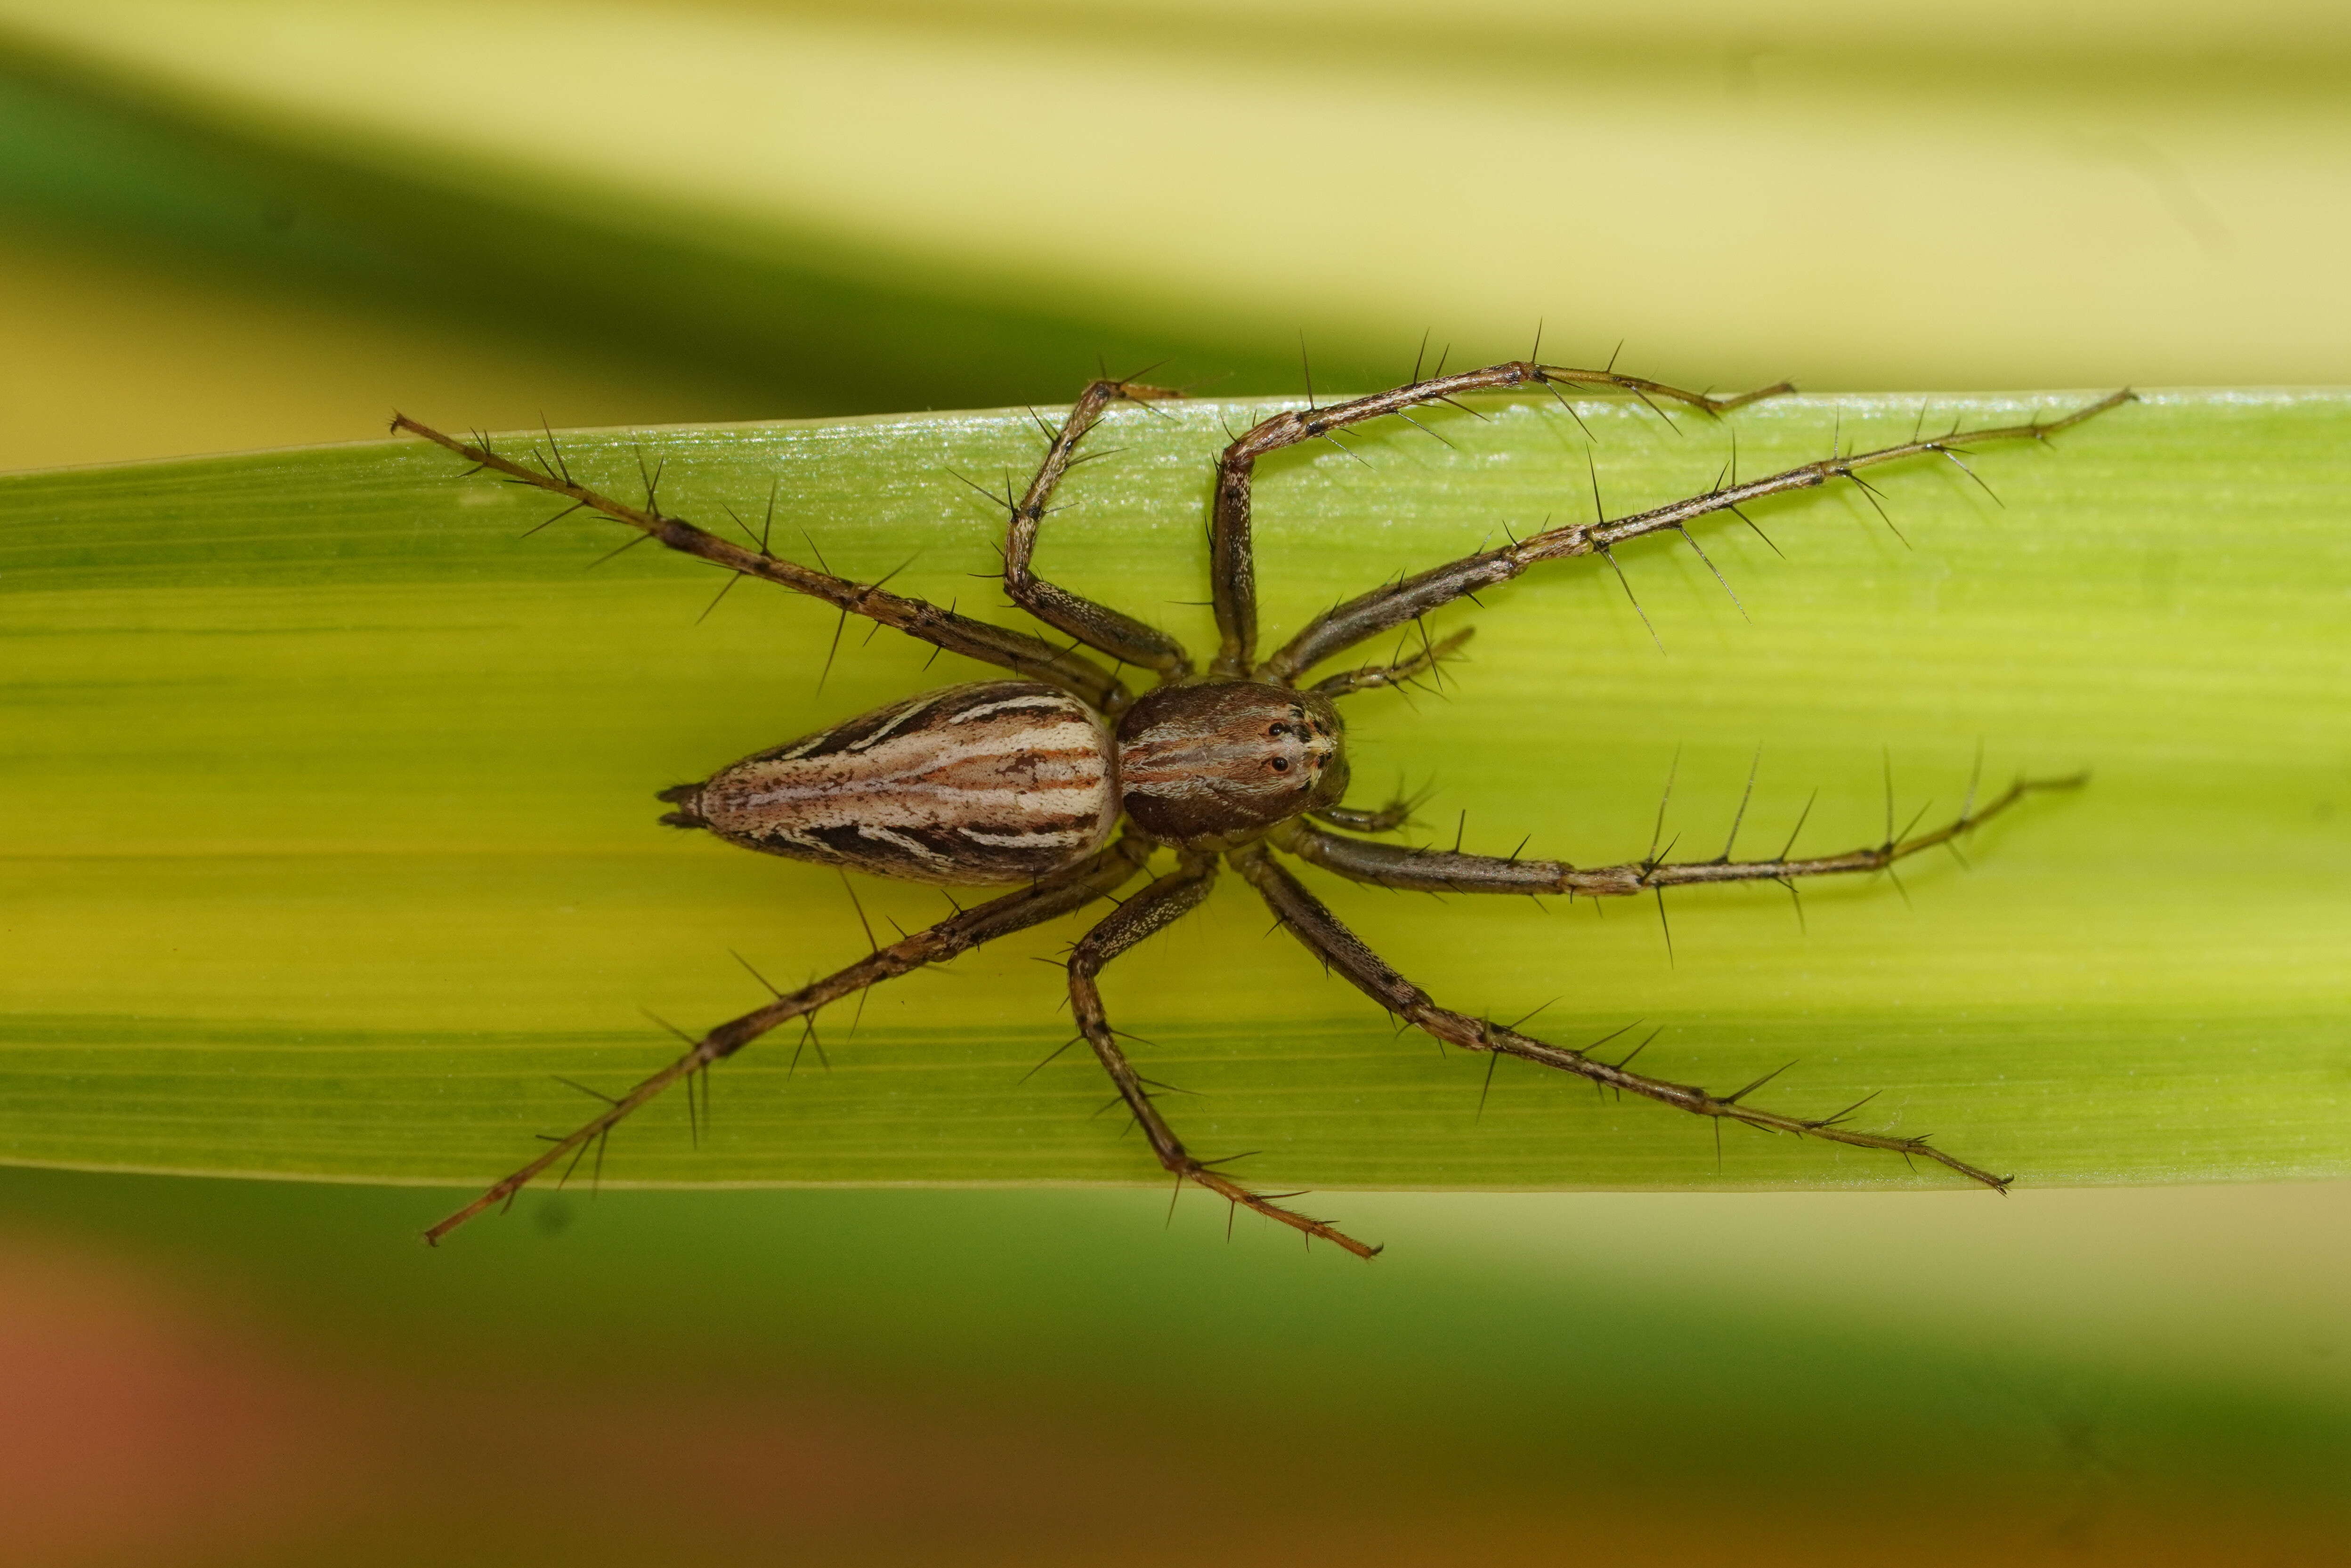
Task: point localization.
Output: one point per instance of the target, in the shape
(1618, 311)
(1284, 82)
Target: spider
(1063, 783)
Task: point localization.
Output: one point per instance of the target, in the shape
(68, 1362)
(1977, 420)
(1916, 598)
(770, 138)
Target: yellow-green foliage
(334, 800)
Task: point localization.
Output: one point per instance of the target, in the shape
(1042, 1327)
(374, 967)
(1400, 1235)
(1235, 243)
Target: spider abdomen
(999, 781)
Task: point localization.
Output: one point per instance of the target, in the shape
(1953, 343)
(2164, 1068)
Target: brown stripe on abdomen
(999, 781)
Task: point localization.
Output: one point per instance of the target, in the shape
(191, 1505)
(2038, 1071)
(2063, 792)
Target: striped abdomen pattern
(1000, 782)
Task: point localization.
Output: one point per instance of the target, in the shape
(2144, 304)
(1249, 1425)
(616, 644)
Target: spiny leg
(1339, 949)
(1369, 614)
(1098, 626)
(1451, 871)
(1148, 912)
(1014, 651)
(1072, 888)
(1232, 568)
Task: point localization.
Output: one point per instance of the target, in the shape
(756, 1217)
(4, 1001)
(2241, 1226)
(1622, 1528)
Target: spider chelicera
(1064, 782)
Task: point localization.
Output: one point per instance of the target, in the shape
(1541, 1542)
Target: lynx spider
(1067, 782)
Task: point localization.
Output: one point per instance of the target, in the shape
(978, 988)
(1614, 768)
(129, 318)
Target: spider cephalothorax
(1028, 781)
(1210, 765)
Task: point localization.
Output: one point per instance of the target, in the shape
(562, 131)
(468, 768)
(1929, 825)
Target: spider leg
(1367, 615)
(1232, 568)
(1096, 625)
(1016, 651)
(1341, 949)
(1451, 871)
(1095, 877)
(1153, 910)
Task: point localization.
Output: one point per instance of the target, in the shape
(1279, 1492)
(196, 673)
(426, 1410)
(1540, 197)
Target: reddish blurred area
(150, 1420)
(155, 1407)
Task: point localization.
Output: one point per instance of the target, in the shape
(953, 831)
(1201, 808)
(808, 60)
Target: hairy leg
(1073, 888)
(1367, 615)
(1341, 950)
(1146, 913)
(1450, 871)
(1098, 626)
(1232, 567)
(1016, 651)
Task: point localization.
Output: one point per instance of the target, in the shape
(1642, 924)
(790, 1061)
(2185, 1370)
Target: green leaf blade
(332, 809)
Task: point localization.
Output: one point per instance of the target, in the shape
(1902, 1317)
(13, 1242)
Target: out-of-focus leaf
(923, 205)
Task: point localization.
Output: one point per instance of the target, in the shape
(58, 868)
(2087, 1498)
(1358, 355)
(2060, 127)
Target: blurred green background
(250, 225)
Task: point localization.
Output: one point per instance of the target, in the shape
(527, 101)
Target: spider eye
(1280, 765)
(1276, 730)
